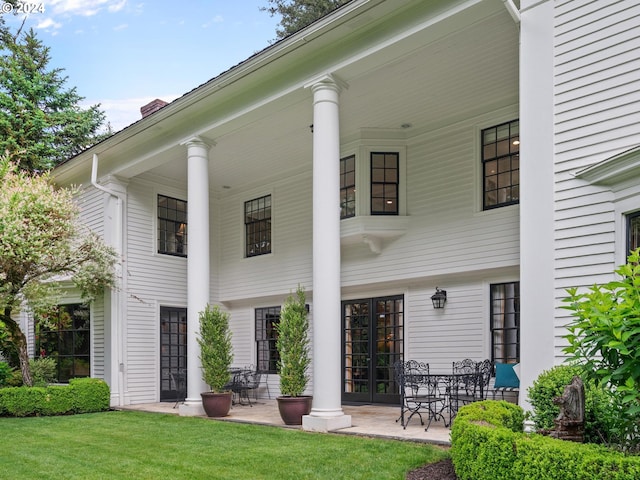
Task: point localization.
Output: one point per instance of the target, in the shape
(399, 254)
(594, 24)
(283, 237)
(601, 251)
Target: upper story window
(505, 322)
(501, 165)
(172, 226)
(348, 187)
(257, 225)
(64, 335)
(384, 183)
(633, 231)
(267, 320)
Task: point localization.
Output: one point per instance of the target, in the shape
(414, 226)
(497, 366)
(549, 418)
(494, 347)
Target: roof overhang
(436, 62)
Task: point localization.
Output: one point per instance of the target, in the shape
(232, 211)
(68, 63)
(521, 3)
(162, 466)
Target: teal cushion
(506, 376)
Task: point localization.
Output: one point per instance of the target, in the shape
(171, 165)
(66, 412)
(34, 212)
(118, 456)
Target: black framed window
(266, 335)
(257, 224)
(384, 183)
(172, 226)
(633, 231)
(501, 165)
(65, 335)
(505, 322)
(348, 187)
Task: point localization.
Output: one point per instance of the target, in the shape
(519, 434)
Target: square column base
(191, 409)
(312, 423)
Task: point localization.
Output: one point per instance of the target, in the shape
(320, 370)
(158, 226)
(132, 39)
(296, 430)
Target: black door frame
(367, 374)
(173, 354)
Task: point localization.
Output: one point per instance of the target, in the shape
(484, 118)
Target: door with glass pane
(173, 354)
(372, 342)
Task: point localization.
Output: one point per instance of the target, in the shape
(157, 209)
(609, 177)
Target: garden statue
(570, 422)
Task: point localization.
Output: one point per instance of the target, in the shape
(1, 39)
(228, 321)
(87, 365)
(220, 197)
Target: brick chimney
(152, 107)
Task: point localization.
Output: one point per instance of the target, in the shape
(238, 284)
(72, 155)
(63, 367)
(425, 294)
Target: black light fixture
(439, 298)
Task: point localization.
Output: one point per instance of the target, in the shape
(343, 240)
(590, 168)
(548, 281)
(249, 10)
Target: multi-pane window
(633, 231)
(266, 335)
(257, 225)
(501, 165)
(172, 226)
(384, 183)
(64, 335)
(505, 322)
(348, 187)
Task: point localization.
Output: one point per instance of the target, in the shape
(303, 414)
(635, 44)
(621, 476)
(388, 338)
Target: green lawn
(135, 445)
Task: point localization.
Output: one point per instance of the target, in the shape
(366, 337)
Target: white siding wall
(597, 112)
(448, 231)
(152, 280)
(97, 339)
(91, 203)
(289, 264)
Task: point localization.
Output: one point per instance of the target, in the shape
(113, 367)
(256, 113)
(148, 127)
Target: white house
(391, 148)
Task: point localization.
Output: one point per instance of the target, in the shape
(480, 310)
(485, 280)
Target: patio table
(439, 395)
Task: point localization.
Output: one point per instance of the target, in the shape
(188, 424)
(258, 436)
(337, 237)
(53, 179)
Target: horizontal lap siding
(447, 232)
(597, 105)
(153, 280)
(289, 264)
(90, 202)
(97, 332)
(441, 336)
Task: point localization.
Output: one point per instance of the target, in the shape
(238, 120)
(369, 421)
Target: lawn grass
(139, 445)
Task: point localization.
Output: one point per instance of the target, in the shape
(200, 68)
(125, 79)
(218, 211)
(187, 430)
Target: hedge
(487, 443)
(82, 395)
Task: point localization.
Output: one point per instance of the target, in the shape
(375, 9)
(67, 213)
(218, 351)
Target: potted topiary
(215, 358)
(293, 347)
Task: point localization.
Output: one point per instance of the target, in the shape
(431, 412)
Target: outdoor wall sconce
(439, 298)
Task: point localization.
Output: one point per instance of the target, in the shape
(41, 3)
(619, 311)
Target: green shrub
(90, 395)
(43, 371)
(82, 395)
(5, 373)
(599, 412)
(58, 400)
(486, 445)
(15, 379)
(22, 401)
(604, 336)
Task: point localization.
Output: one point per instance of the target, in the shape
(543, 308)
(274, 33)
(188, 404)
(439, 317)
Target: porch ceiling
(470, 70)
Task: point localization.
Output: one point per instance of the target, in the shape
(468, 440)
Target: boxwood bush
(487, 443)
(82, 395)
(599, 409)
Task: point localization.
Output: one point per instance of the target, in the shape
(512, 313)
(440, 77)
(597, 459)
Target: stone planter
(292, 409)
(216, 404)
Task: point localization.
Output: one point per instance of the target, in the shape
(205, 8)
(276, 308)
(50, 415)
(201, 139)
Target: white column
(326, 413)
(197, 267)
(536, 193)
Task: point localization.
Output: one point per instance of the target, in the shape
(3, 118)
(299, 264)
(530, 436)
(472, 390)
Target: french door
(372, 342)
(173, 354)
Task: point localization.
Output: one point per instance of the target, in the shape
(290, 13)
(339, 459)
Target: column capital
(327, 81)
(198, 141)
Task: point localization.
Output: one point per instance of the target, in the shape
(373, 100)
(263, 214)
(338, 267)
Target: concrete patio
(366, 420)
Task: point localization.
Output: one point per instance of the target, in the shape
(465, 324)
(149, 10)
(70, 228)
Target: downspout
(119, 248)
(513, 10)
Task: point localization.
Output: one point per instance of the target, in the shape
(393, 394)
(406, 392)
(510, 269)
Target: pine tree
(41, 122)
(297, 14)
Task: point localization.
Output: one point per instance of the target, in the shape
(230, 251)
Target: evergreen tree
(297, 14)
(41, 122)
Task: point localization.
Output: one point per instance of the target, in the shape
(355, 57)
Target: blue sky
(125, 53)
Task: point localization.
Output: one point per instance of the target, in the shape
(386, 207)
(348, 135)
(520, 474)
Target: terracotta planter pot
(216, 404)
(293, 408)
